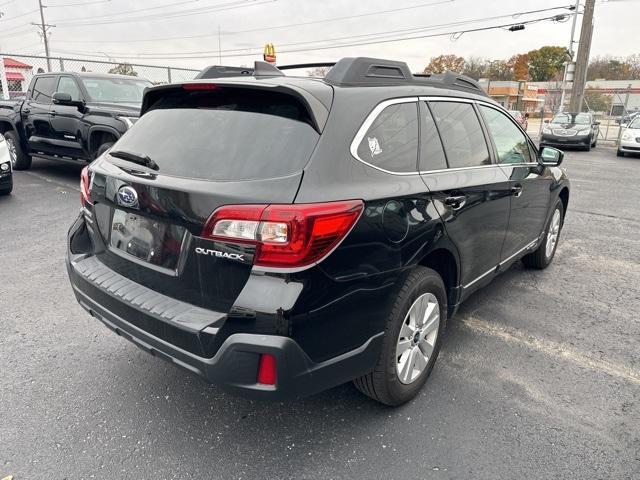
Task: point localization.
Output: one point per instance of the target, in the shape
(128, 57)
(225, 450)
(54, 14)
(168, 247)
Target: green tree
(547, 63)
(443, 63)
(609, 68)
(596, 101)
(124, 69)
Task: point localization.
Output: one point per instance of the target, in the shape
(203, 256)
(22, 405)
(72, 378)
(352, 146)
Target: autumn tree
(520, 66)
(443, 63)
(547, 63)
(124, 69)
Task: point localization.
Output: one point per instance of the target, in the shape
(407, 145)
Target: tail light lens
(285, 236)
(267, 373)
(85, 195)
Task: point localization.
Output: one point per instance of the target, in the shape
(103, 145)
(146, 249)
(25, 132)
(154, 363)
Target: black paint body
(324, 323)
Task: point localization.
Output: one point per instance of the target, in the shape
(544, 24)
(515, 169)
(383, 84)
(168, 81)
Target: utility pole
(565, 76)
(582, 60)
(44, 29)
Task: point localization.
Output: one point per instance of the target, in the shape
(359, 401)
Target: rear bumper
(235, 364)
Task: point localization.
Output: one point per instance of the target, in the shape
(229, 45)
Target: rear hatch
(209, 146)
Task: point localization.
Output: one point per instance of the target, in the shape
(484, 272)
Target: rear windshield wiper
(135, 158)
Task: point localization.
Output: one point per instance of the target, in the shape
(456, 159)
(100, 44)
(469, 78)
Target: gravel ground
(539, 376)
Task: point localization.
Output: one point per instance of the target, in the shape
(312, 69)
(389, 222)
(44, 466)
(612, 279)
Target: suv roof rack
(363, 71)
(356, 71)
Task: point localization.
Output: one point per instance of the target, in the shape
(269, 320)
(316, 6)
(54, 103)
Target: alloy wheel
(417, 338)
(552, 234)
(13, 154)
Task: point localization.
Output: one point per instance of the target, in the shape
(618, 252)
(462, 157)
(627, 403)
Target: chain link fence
(17, 70)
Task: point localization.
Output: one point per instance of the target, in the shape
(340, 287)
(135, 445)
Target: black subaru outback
(282, 235)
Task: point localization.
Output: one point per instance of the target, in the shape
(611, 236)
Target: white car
(6, 171)
(630, 139)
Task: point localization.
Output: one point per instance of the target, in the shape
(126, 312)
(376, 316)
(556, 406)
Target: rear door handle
(53, 113)
(456, 201)
(516, 190)
(26, 110)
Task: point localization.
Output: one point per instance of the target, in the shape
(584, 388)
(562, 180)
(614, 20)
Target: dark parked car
(281, 235)
(70, 116)
(571, 130)
(6, 171)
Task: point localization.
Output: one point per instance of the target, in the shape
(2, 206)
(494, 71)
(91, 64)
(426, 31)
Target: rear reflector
(267, 369)
(85, 194)
(286, 236)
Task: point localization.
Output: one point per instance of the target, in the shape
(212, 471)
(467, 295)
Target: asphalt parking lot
(539, 376)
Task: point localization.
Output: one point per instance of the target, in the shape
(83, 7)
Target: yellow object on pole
(269, 53)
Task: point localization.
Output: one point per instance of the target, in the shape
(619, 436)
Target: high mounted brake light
(200, 86)
(285, 236)
(85, 194)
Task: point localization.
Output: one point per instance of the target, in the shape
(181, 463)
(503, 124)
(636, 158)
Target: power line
(342, 45)
(379, 12)
(380, 35)
(164, 16)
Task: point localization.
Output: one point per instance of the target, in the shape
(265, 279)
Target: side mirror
(61, 98)
(550, 156)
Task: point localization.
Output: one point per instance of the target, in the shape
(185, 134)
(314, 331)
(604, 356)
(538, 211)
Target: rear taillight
(286, 236)
(199, 86)
(85, 194)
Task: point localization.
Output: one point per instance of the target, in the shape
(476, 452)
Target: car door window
(43, 89)
(461, 133)
(510, 142)
(69, 85)
(391, 142)
(431, 152)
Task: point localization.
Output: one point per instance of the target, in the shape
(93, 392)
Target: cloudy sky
(185, 32)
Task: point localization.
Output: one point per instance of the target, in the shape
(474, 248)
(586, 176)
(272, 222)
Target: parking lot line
(553, 349)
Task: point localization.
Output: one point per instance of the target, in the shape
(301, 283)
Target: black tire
(619, 153)
(22, 161)
(383, 384)
(539, 259)
(103, 148)
(595, 142)
(587, 148)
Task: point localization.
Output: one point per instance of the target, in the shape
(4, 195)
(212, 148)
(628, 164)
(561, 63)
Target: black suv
(283, 235)
(70, 116)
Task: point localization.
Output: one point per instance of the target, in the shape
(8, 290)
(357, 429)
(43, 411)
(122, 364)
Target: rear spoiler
(318, 111)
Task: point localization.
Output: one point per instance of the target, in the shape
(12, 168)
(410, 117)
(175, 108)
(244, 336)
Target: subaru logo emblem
(128, 197)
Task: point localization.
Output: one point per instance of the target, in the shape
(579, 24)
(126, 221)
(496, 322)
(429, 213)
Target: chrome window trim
(377, 110)
(415, 99)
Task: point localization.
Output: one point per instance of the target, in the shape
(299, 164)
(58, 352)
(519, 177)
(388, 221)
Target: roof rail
(363, 71)
(355, 71)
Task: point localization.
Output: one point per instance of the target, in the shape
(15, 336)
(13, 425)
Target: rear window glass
(224, 134)
(391, 142)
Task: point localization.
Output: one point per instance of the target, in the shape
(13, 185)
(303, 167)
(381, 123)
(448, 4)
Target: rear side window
(461, 134)
(224, 134)
(431, 152)
(391, 142)
(43, 89)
